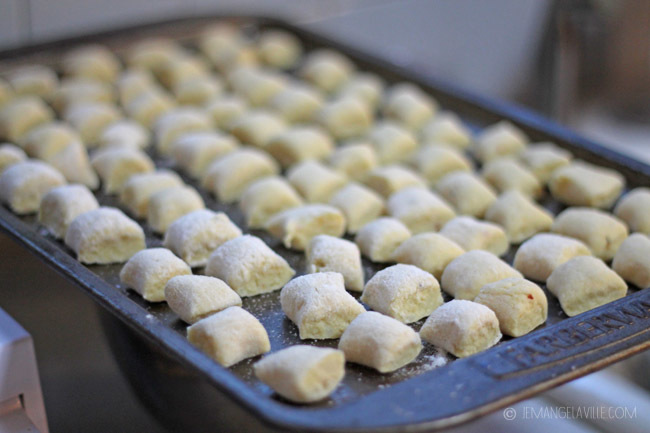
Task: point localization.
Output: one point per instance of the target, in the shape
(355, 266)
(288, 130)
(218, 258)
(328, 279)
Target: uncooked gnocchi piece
(448, 129)
(266, 197)
(297, 103)
(316, 182)
(506, 174)
(319, 305)
(297, 226)
(229, 176)
(542, 159)
(346, 118)
(186, 67)
(326, 69)
(139, 188)
(169, 204)
(74, 165)
(230, 336)
(48, 139)
(116, 166)
(195, 235)
(632, 260)
(194, 297)
(365, 86)
(9, 155)
(279, 49)
(601, 232)
(519, 216)
(584, 283)
(148, 271)
(90, 119)
(462, 328)
(92, 61)
(404, 292)
(409, 105)
(354, 159)
(519, 304)
(149, 106)
(380, 342)
(133, 82)
(473, 234)
(21, 115)
(150, 53)
(257, 86)
(434, 161)
(378, 239)
(389, 179)
(467, 273)
(76, 90)
(36, 80)
(195, 151)
(392, 142)
(331, 254)
(540, 255)
(430, 252)
(228, 53)
(175, 123)
(23, 185)
(359, 204)
(63, 204)
(125, 133)
(104, 235)
(249, 266)
(257, 127)
(582, 184)
(634, 209)
(498, 140)
(299, 144)
(302, 373)
(419, 209)
(197, 90)
(225, 109)
(468, 194)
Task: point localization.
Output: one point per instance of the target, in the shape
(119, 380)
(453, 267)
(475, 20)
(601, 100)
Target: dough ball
(540, 255)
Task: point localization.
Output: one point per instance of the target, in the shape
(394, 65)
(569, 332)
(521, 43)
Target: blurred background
(584, 63)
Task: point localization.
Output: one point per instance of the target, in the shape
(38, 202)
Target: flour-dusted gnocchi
(319, 305)
(125, 133)
(74, 90)
(582, 184)
(297, 226)
(447, 128)
(462, 328)
(266, 197)
(230, 336)
(331, 254)
(9, 155)
(92, 61)
(259, 87)
(149, 106)
(434, 161)
(634, 209)
(359, 204)
(466, 274)
(104, 235)
(186, 67)
(297, 103)
(431, 252)
(540, 255)
(498, 140)
(632, 260)
(506, 174)
(46, 140)
(380, 342)
(229, 176)
(90, 119)
(116, 166)
(168, 205)
(148, 271)
(378, 239)
(193, 297)
(584, 283)
(316, 182)
(300, 143)
(225, 109)
(74, 165)
(326, 69)
(467, 193)
(279, 49)
(137, 191)
(346, 118)
(150, 53)
(519, 216)
(365, 86)
(36, 80)
(249, 266)
(23, 185)
(419, 209)
(133, 82)
(473, 234)
(177, 122)
(409, 105)
(257, 127)
(389, 179)
(63, 204)
(197, 90)
(404, 292)
(20, 115)
(355, 159)
(542, 159)
(195, 151)
(601, 232)
(519, 304)
(392, 142)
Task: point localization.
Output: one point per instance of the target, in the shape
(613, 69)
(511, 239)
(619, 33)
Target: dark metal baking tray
(188, 390)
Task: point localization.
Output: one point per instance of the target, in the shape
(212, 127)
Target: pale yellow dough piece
(299, 144)
(542, 159)
(404, 292)
(519, 216)
(194, 236)
(540, 255)
(498, 140)
(316, 182)
(473, 234)
(125, 133)
(506, 174)
(302, 373)
(133, 82)
(137, 191)
(434, 161)
(63, 204)
(359, 204)
(257, 127)
(266, 197)
(46, 140)
(279, 49)
(319, 305)
(177, 122)
(297, 103)
(467, 273)
(331, 254)
(197, 90)
(230, 336)
(430, 252)
(73, 163)
(584, 283)
(603, 233)
(195, 151)
(462, 328)
(225, 109)
(354, 159)
(392, 142)
(297, 226)
(20, 115)
(168, 205)
(90, 119)
(582, 184)
(378, 239)
(389, 179)
(419, 209)
(149, 106)
(150, 53)
(36, 80)
(23, 185)
(9, 155)
(194, 297)
(104, 235)
(186, 67)
(632, 260)
(74, 90)
(520, 305)
(409, 105)
(257, 86)
(116, 166)
(229, 176)
(148, 271)
(249, 266)
(326, 69)
(467, 193)
(346, 117)
(92, 61)
(634, 209)
(380, 342)
(447, 128)
(365, 86)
